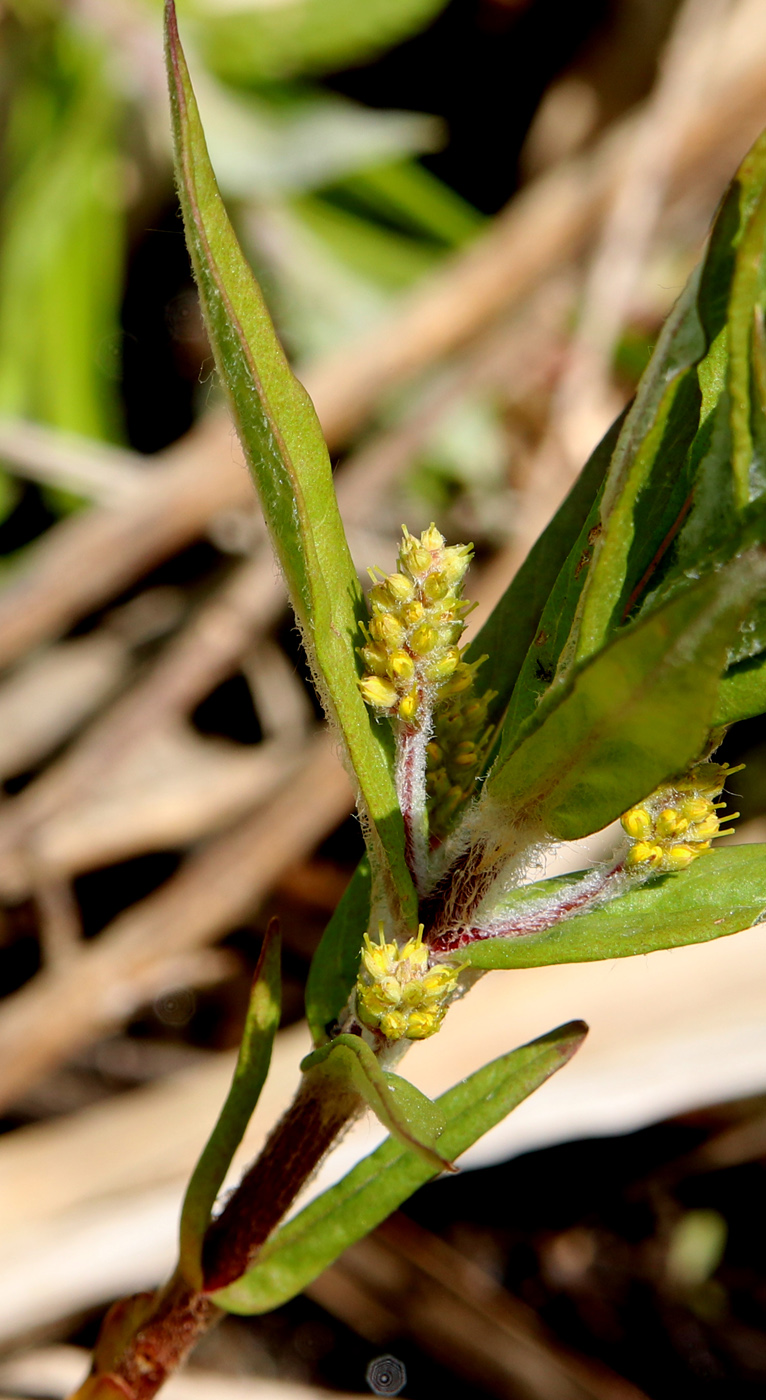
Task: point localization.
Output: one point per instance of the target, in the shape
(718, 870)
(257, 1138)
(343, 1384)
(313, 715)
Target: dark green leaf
(744, 320)
(249, 1077)
(511, 629)
(335, 963)
(721, 893)
(662, 414)
(283, 444)
(638, 712)
(742, 692)
(302, 1248)
(408, 1114)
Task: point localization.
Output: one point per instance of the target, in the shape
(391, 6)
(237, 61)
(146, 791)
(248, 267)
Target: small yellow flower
(676, 824)
(417, 620)
(378, 692)
(398, 994)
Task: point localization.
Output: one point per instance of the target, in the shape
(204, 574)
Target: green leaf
(638, 712)
(286, 452)
(335, 964)
(721, 893)
(62, 238)
(726, 463)
(745, 297)
(408, 1114)
(742, 692)
(260, 42)
(250, 1073)
(306, 1245)
(662, 415)
(511, 629)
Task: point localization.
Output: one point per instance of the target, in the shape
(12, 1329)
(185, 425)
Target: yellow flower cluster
(678, 822)
(456, 755)
(396, 991)
(410, 653)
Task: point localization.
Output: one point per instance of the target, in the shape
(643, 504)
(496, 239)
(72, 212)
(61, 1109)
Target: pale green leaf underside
(306, 1245)
(722, 893)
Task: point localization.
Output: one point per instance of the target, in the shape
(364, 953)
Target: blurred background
(470, 220)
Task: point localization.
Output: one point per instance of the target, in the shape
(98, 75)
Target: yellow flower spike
(414, 669)
(677, 823)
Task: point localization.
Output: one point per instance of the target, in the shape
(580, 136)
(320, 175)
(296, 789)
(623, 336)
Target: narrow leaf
(638, 712)
(249, 1077)
(335, 964)
(722, 893)
(513, 625)
(408, 1114)
(286, 452)
(306, 1245)
(745, 300)
(742, 692)
(637, 459)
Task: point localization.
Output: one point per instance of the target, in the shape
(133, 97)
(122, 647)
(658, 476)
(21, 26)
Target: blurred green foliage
(329, 197)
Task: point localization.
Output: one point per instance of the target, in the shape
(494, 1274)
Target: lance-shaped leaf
(742, 692)
(512, 627)
(674, 485)
(637, 713)
(249, 1076)
(656, 434)
(348, 1061)
(335, 964)
(726, 463)
(723, 892)
(745, 336)
(302, 1248)
(284, 447)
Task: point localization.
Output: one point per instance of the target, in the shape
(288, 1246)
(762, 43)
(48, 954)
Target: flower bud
(387, 629)
(401, 665)
(378, 692)
(408, 706)
(424, 639)
(393, 1025)
(637, 823)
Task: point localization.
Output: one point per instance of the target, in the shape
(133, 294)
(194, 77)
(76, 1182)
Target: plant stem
(141, 1361)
